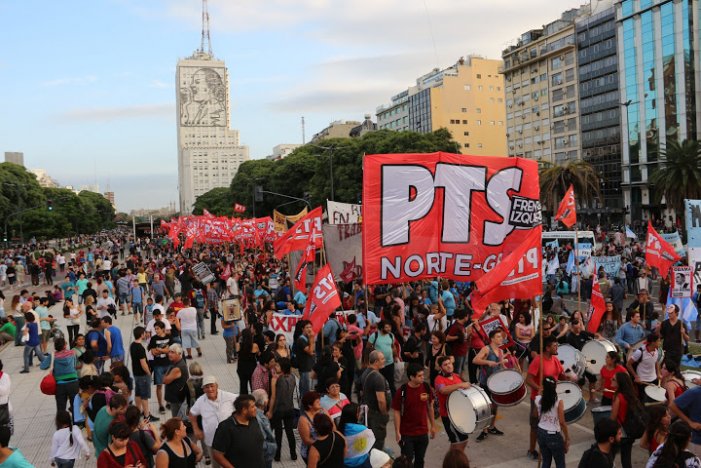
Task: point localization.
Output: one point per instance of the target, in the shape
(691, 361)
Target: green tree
(217, 201)
(556, 179)
(104, 211)
(678, 176)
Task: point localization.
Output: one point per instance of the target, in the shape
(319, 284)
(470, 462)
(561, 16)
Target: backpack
(402, 395)
(199, 299)
(636, 421)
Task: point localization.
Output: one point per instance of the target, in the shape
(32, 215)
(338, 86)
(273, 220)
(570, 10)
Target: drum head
(569, 393)
(595, 354)
(689, 375)
(504, 381)
(656, 393)
(462, 413)
(567, 355)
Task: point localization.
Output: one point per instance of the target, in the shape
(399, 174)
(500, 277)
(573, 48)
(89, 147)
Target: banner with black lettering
(344, 250)
(343, 213)
(442, 214)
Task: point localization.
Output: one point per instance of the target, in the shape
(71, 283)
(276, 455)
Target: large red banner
(441, 214)
(299, 235)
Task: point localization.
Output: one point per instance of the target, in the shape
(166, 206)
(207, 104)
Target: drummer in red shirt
(608, 371)
(551, 368)
(446, 383)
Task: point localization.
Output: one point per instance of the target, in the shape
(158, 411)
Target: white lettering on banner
(408, 194)
(435, 263)
(326, 289)
(285, 324)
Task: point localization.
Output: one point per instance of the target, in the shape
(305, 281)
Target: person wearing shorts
(142, 373)
(158, 346)
(188, 328)
(446, 383)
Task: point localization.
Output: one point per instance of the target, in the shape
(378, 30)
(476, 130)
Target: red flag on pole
(567, 212)
(518, 275)
(323, 299)
(597, 308)
(239, 208)
(301, 271)
(658, 252)
(307, 229)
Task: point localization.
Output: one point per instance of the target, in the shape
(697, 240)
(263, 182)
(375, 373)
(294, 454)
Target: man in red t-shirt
(551, 368)
(455, 337)
(413, 415)
(445, 384)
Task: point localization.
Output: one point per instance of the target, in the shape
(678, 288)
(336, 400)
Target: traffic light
(50, 205)
(258, 193)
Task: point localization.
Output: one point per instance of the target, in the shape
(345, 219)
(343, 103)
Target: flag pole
(578, 270)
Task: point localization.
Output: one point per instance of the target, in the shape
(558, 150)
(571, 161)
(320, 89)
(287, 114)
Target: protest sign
(344, 250)
(675, 241)
(682, 281)
(610, 263)
(343, 213)
(447, 215)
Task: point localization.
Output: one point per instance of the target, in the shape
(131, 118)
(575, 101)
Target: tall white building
(209, 152)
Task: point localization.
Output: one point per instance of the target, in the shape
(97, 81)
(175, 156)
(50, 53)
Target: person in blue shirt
(300, 299)
(137, 299)
(8, 456)
(95, 341)
(687, 407)
(631, 332)
(260, 292)
(68, 287)
(32, 343)
(113, 337)
(448, 299)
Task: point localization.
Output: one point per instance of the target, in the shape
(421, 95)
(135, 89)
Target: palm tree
(678, 176)
(556, 179)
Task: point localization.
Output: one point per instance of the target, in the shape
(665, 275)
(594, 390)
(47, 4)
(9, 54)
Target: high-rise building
(209, 152)
(467, 98)
(660, 76)
(14, 157)
(599, 104)
(542, 111)
(110, 198)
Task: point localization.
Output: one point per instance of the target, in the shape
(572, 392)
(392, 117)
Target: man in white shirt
(104, 303)
(214, 406)
(158, 315)
(188, 328)
(232, 286)
(643, 364)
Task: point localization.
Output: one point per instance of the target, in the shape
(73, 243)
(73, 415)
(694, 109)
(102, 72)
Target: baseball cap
(209, 380)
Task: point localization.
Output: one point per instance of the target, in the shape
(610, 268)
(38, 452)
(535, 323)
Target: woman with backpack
(673, 453)
(629, 413)
(553, 436)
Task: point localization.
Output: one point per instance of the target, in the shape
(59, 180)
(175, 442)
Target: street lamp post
(330, 150)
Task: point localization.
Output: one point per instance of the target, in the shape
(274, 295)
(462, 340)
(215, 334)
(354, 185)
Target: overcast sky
(88, 85)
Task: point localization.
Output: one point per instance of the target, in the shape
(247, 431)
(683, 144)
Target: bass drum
(572, 360)
(507, 387)
(689, 376)
(595, 352)
(571, 396)
(470, 409)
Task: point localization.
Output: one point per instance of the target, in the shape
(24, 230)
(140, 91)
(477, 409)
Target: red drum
(507, 387)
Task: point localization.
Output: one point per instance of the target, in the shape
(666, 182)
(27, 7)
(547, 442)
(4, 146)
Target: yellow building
(466, 98)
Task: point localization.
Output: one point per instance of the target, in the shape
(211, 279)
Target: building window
(479, 88)
(466, 145)
(479, 145)
(464, 109)
(466, 133)
(478, 122)
(464, 122)
(491, 122)
(478, 110)
(467, 87)
(479, 77)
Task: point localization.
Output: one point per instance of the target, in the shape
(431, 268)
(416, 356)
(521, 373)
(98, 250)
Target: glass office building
(659, 78)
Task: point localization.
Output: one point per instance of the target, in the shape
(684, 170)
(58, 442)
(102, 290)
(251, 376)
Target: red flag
(323, 299)
(298, 236)
(658, 252)
(518, 275)
(301, 271)
(239, 208)
(567, 212)
(207, 214)
(597, 307)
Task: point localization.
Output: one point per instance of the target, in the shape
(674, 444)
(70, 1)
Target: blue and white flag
(554, 244)
(688, 312)
(570, 263)
(630, 234)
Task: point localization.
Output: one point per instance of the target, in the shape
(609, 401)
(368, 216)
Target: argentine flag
(630, 234)
(687, 308)
(359, 442)
(570, 263)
